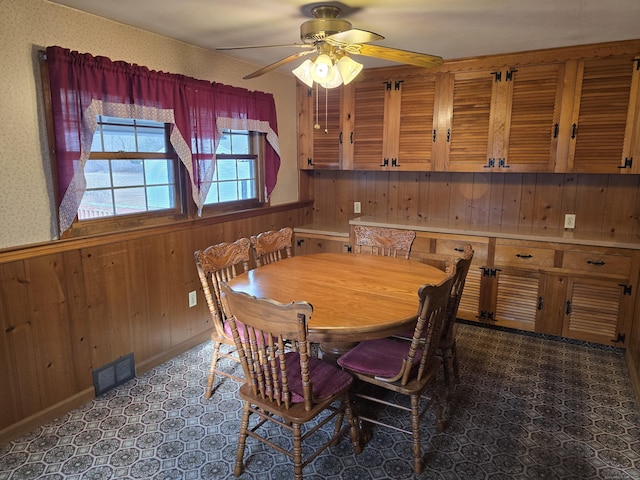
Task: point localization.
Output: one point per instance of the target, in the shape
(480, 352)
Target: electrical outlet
(356, 207)
(193, 299)
(570, 220)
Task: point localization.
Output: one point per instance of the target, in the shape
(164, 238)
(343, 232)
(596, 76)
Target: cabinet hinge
(387, 85)
(619, 339)
(627, 163)
(491, 162)
(502, 163)
(300, 242)
(489, 272)
(309, 92)
(497, 75)
(626, 289)
(484, 315)
(310, 161)
(349, 248)
(509, 76)
(385, 162)
(394, 162)
(397, 84)
(637, 62)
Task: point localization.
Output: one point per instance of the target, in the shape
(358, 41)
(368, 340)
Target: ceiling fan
(331, 39)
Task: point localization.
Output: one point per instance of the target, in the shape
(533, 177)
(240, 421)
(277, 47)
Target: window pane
(245, 169)
(118, 138)
(150, 139)
(96, 203)
(225, 144)
(247, 189)
(130, 200)
(97, 173)
(212, 195)
(127, 172)
(158, 171)
(226, 169)
(240, 144)
(160, 197)
(228, 191)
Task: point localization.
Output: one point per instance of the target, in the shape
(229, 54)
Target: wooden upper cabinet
(319, 127)
(393, 123)
(503, 120)
(603, 123)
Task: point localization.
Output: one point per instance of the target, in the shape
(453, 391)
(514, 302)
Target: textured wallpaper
(27, 213)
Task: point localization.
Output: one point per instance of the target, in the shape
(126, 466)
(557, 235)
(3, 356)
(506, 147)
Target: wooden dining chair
(405, 368)
(216, 264)
(447, 346)
(283, 385)
(272, 246)
(383, 241)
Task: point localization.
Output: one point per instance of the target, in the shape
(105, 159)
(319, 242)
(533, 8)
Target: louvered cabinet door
(601, 110)
(327, 127)
(516, 301)
(368, 125)
(532, 117)
(593, 310)
(466, 126)
(414, 136)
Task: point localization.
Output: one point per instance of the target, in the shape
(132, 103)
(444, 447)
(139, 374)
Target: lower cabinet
(308, 243)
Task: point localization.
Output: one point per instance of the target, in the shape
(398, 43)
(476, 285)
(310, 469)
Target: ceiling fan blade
(299, 45)
(395, 55)
(277, 64)
(355, 35)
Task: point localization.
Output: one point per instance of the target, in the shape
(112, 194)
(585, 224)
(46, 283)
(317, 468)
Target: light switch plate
(193, 299)
(357, 207)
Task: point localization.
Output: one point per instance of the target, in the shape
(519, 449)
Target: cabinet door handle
(567, 308)
(573, 130)
(519, 255)
(597, 264)
(540, 303)
(340, 139)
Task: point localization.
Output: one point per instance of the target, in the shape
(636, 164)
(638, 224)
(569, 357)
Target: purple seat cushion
(378, 358)
(326, 380)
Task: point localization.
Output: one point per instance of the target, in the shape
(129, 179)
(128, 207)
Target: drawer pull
(597, 264)
(519, 255)
(458, 249)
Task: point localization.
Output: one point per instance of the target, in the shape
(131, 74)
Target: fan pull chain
(326, 110)
(317, 124)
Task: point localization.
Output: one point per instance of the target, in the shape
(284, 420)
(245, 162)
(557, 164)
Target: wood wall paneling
(64, 313)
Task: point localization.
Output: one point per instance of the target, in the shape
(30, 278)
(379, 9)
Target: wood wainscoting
(70, 306)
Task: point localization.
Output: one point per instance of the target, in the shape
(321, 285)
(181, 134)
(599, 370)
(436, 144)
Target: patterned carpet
(526, 408)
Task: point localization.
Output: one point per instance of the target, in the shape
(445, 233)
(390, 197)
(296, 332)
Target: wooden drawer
(524, 256)
(596, 262)
(455, 247)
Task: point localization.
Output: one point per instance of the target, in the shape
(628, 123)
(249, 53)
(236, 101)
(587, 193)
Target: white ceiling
(448, 28)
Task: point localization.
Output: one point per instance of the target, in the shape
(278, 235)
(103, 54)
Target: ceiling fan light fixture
(323, 71)
(348, 69)
(303, 72)
(336, 81)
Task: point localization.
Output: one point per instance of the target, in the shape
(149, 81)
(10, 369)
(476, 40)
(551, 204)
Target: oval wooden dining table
(355, 297)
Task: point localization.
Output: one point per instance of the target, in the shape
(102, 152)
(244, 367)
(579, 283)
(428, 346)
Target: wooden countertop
(515, 233)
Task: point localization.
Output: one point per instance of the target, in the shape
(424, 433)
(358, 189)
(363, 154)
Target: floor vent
(113, 374)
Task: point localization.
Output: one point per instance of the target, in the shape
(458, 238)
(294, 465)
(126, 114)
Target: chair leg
(297, 452)
(415, 427)
(446, 365)
(212, 369)
(353, 427)
(454, 356)
(242, 440)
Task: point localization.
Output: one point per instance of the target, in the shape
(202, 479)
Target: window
(131, 169)
(238, 171)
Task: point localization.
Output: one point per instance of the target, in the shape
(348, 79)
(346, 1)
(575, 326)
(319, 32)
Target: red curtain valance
(84, 86)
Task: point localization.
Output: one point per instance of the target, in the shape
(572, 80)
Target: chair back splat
(383, 241)
(272, 246)
(216, 264)
(286, 386)
(405, 368)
